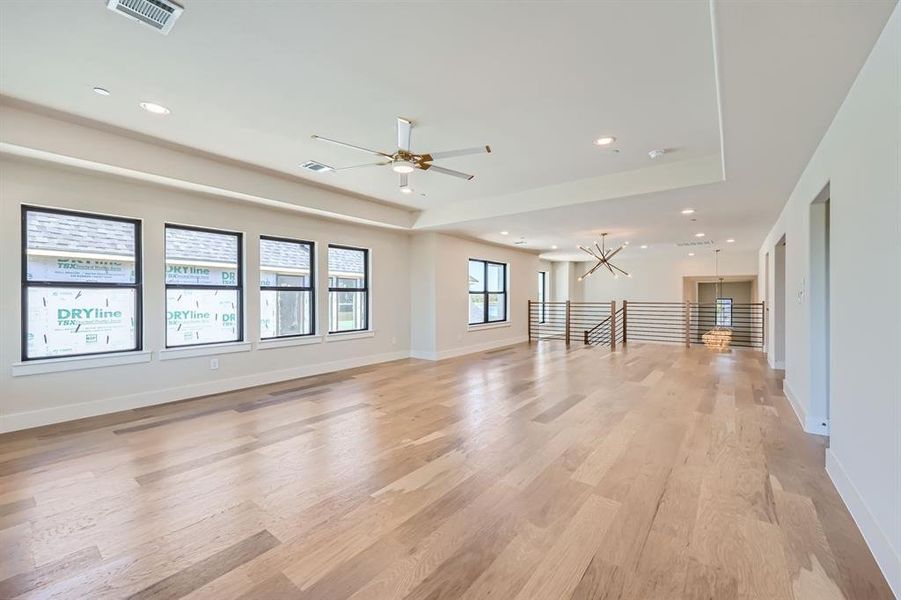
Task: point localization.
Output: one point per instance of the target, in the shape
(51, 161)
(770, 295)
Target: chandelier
(603, 256)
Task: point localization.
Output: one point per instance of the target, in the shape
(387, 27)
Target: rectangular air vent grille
(159, 14)
(316, 167)
(695, 244)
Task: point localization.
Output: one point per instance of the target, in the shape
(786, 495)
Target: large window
(204, 286)
(542, 296)
(81, 284)
(287, 288)
(487, 292)
(348, 289)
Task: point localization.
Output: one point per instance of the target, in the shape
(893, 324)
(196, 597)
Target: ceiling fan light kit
(404, 161)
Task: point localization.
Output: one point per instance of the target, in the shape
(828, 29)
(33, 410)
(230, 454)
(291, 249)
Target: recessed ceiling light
(691, 253)
(101, 91)
(688, 211)
(730, 241)
(604, 140)
(626, 243)
(553, 247)
(154, 108)
(700, 234)
(643, 246)
(655, 154)
(505, 233)
(406, 190)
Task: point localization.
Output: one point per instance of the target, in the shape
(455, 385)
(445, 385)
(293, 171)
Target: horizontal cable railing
(723, 324)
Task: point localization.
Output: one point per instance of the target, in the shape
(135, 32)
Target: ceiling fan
(404, 161)
(603, 256)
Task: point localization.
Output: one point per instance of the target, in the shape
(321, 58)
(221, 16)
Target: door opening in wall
(819, 313)
(779, 302)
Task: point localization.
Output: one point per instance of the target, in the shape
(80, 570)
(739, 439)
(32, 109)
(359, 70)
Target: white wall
(43, 398)
(859, 158)
(447, 330)
(659, 278)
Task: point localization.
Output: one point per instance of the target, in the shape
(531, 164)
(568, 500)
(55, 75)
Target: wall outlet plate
(214, 363)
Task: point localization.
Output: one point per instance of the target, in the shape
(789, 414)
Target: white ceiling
(538, 81)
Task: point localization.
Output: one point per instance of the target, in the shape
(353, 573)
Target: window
(204, 286)
(542, 294)
(487, 292)
(348, 289)
(287, 283)
(724, 312)
(81, 284)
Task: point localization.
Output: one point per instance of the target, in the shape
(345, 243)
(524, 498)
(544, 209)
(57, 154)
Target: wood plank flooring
(525, 472)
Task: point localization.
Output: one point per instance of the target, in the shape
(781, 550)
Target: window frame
(485, 293)
(239, 311)
(725, 302)
(275, 288)
(542, 299)
(137, 285)
(364, 289)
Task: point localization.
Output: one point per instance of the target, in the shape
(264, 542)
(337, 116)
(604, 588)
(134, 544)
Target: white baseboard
(59, 414)
(809, 423)
(472, 349)
(887, 557)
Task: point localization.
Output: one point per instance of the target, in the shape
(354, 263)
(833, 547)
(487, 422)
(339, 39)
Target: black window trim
(311, 288)
(183, 286)
(485, 292)
(138, 284)
(364, 289)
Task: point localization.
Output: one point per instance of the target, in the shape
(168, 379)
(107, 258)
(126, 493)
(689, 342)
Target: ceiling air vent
(159, 14)
(316, 167)
(695, 244)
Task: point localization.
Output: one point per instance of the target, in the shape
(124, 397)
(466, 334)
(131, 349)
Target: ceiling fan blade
(437, 169)
(404, 128)
(351, 146)
(404, 180)
(452, 153)
(375, 164)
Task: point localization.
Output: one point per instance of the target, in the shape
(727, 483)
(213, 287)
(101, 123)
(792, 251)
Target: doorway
(779, 292)
(819, 313)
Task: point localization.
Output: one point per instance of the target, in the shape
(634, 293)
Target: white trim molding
(287, 342)
(482, 326)
(206, 350)
(879, 542)
(350, 335)
(809, 423)
(76, 363)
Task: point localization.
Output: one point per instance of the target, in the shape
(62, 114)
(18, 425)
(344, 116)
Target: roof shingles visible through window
(70, 233)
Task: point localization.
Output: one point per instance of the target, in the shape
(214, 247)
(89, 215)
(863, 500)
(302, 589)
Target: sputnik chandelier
(603, 256)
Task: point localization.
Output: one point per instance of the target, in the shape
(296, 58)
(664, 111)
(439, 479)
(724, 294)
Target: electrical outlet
(214, 363)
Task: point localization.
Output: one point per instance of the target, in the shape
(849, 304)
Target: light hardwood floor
(525, 472)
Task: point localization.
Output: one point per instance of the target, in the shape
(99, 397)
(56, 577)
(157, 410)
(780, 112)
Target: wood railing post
(566, 334)
(613, 324)
(625, 319)
(529, 315)
(688, 324)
